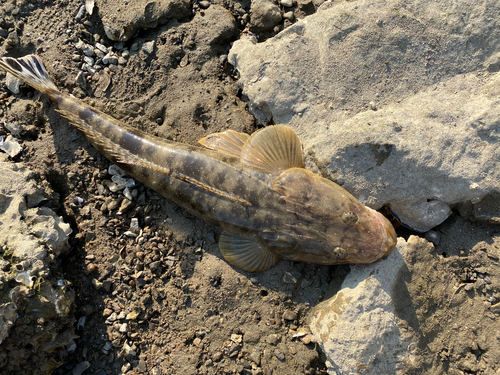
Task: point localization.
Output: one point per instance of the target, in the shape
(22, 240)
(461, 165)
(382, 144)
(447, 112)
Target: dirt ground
(158, 298)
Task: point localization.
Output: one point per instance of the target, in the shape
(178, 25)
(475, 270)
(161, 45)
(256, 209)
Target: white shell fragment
(115, 170)
(11, 146)
(13, 127)
(25, 278)
(89, 6)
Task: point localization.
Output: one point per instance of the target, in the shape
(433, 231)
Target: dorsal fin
(231, 142)
(273, 150)
(246, 254)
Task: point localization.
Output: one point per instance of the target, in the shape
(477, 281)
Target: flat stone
(359, 324)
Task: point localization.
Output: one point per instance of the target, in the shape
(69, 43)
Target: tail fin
(30, 69)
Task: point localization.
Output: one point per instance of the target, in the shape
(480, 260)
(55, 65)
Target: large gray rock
(29, 239)
(396, 101)
(358, 328)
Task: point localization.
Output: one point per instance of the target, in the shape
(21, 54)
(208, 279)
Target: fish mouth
(389, 237)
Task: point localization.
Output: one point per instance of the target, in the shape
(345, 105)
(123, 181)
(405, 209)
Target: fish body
(254, 187)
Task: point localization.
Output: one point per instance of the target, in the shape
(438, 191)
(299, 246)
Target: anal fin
(246, 254)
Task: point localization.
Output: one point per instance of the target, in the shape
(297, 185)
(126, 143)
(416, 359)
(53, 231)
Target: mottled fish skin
(269, 209)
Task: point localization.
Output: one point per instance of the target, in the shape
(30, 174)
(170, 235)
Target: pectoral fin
(273, 150)
(230, 142)
(246, 254)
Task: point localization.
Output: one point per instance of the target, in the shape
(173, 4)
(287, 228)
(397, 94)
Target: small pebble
(81, 323)
(128, 351)
(288, 278)
(289, 16)
(141, 367)
(10, 146)
(107, 312)
(89, 52)
(272, 339)
(101, 47)
(123, 328)
(287, 3)
(433, 236)
(127, 194)
(204, 4)
(126, 206)
(289, 315)
(13, 83)
(148, 47)
(13, 127)
(71, 347)
(99, 55)
(495, 308)
(81, 367)
(105, 59)
(279, 355)
(134, 47)
(306, 339)
(126, 367)
(81, 13)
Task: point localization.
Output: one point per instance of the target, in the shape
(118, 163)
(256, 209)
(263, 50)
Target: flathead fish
(254, 187)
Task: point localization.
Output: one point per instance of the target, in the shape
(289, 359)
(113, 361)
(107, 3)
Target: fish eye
(339, 252)
(350, 218)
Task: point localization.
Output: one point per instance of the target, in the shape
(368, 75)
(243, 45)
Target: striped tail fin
(30, 69)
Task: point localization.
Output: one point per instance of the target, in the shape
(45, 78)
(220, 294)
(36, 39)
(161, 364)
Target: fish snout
(390, 238)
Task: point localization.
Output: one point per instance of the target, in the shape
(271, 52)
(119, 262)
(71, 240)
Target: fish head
(329, 224)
